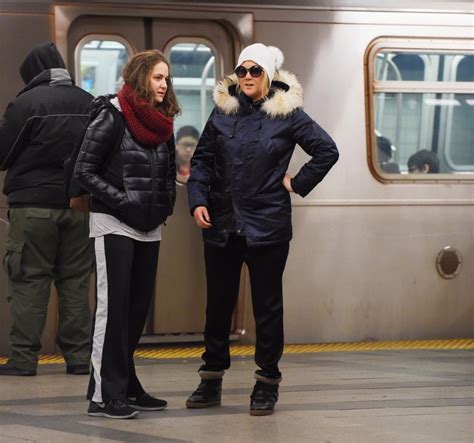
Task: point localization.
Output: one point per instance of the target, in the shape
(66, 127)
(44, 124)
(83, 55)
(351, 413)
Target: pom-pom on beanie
(270, 58)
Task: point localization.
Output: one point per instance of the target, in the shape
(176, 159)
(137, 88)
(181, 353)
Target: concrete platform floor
(357, 397)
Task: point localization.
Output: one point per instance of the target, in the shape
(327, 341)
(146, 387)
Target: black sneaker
(207, 394)
(146, 402)
(263, 398)
(111, 409)
(78, 369)
(10, 369)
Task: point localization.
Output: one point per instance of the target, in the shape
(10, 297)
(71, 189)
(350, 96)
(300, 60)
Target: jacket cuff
(294, 186)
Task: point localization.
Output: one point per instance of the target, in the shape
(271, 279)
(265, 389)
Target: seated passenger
(384, 155)
(423, 162)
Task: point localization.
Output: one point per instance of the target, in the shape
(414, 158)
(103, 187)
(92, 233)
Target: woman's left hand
(287, 182)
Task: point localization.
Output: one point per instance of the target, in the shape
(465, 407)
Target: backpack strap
(119, 131)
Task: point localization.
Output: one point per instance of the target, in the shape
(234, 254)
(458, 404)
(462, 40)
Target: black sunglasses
(255, 71)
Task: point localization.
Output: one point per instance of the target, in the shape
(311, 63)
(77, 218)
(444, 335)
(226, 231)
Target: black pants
(126, 271)
(223, 267)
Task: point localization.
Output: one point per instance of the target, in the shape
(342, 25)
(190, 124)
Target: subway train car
(380, 250)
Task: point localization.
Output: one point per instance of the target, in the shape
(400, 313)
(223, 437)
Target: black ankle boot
(207, 394)
(263, 398)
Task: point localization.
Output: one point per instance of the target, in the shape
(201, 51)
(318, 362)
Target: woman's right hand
(201, 217)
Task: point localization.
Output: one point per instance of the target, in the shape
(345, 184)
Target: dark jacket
(243, 155)
(137, 185)
(39, 130)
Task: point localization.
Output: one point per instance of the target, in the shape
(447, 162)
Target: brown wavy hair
(137, 73)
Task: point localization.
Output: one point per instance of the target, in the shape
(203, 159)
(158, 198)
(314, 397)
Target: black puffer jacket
(243, 155)
(39, 130)
(138, 183)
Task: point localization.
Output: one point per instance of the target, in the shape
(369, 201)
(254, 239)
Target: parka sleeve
(14, 131)
(319, 145)
(202, 167)
(98, 142)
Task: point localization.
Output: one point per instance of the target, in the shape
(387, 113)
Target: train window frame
(218, 69)
(418, 46)
(218, 63)
(131, 50)
(198, 41)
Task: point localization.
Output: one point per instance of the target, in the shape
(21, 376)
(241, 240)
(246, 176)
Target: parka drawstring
(257, 138)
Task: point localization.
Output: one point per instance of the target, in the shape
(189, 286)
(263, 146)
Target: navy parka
(242, 156)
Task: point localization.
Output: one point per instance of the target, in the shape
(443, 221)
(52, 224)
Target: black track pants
(126, 271)
(223, 267)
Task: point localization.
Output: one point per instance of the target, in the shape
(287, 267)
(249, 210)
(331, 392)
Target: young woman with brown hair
(130, 175)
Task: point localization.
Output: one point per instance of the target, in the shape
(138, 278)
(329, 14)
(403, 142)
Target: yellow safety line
(246, 350)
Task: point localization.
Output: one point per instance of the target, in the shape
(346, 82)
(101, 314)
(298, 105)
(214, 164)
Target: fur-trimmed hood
(286, 95)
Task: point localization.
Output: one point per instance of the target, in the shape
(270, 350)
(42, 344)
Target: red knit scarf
(148, 126)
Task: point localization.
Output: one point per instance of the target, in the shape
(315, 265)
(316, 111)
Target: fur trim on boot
(211, 375)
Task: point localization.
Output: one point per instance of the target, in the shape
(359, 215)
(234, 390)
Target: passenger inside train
(423, 162)
(385, 150)
(186, 141)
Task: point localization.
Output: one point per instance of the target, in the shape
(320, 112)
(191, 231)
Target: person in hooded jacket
(132, 193)
(47, 241)
(239, 194)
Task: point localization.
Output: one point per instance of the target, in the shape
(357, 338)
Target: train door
(200, 52)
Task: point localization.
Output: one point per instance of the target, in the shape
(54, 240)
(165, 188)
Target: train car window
(99, 64)
(421, 108)
(194, 77)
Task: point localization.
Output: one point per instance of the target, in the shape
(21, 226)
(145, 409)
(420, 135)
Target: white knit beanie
(269, 58)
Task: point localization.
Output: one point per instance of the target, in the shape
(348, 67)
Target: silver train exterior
(366, 261)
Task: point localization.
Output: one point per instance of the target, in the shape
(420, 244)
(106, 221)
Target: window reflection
(194, 78)
(101, 63)
(434, 128)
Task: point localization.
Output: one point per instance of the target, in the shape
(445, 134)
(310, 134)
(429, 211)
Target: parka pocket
(271, 151)
(220, 201)
(12, 262)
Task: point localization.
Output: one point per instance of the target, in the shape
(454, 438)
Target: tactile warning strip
(246, 350)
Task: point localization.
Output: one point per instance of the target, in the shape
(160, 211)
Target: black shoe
(263, 398)
(9, 369)
(78, 369)
(112, 409)
(207, 394)
(146, 402)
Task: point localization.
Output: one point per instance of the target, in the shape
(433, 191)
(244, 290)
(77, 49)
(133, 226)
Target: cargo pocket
(37, 213)
(12, 262)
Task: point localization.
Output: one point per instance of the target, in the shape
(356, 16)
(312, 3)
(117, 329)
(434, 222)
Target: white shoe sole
(144, 408)
(104, 414)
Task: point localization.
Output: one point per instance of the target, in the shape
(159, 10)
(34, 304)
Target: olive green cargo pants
(45, 246)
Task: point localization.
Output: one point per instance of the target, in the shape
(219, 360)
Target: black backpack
(72, 189)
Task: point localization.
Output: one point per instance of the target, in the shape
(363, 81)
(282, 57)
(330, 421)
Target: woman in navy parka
(239, 193)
